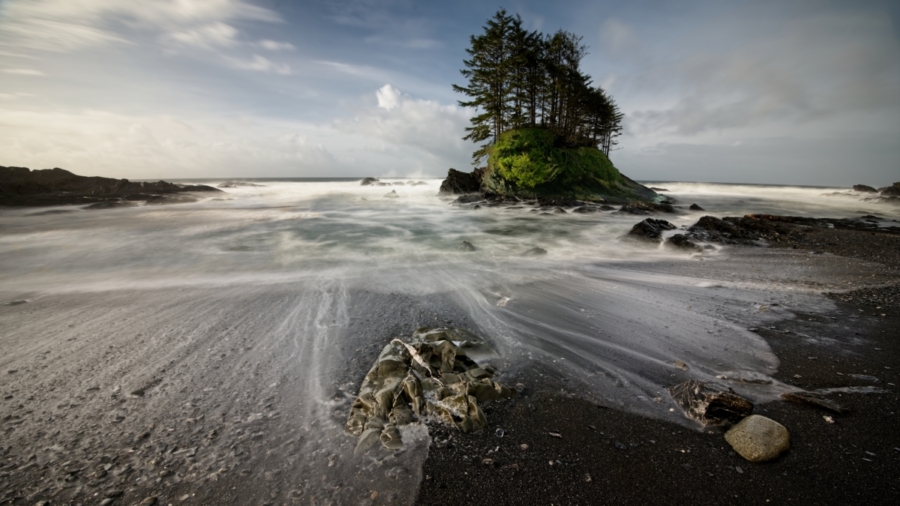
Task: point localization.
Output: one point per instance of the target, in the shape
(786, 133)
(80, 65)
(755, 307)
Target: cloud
(207, 36)
(618, 38)
(260, 64)
(401, 123)
(388, 97)
(66, 25)
(409, 43)
(96, 142)
(805, 73)
(272, 45)
(24, 72)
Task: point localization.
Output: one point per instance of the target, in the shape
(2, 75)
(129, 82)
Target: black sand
(608, 457)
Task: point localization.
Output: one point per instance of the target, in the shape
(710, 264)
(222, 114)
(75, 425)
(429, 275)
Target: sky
(784, 92)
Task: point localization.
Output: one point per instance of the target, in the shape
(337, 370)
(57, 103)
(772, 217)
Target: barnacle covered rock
(435, 373)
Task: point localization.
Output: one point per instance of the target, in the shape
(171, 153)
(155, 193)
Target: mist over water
(291, 273)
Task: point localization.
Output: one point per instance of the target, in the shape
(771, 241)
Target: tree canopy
(523, 79)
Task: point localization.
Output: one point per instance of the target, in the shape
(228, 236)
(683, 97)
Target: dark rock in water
(710, 404)
(239, 184)
(391, 194)
(466, 246)
(864, 188)
(462, 182)
(813, 399)
(650, 230)
(110, 204)
(534, 252)
(681, 241)
(380, 183)
(467, 199)
(559, 210)
(727, 231)
(695, 207)
(658, 189)
(368, 181)
(559, 202)
(890, 191)
(646, 208)
(585, 209)
(20, 186)
(605, 207)
(399, 183)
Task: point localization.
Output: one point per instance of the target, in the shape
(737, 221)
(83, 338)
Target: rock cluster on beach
(20, 186)
(432, 374)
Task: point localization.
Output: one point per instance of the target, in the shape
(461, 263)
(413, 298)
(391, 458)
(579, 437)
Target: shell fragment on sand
(434, 374)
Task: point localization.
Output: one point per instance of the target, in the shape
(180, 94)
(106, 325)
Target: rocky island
(22, 187)
(544, 130)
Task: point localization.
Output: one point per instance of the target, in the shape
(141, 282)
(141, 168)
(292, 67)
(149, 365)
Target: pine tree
(521, 79)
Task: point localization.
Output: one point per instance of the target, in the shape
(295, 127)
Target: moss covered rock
(534, 162)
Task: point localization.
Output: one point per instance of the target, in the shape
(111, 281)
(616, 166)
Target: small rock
(488, 461)
(106, 502)
(650, 230)
(738, 469)
(758, 439)
(695, 207)
(523, 446)
(368, 181)
(150, 501)
(555, 434)
(466, 246)
(533, 252)
(620, 446)
(391, 194)
(499, 432)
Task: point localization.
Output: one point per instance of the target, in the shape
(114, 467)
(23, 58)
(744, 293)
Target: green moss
(531, 161)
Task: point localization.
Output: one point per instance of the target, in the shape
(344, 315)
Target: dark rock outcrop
(681, 241)
(239, 184)
(695, 207)
(759, 229)
(864, 188)
(649, 230)
(462, 182)
(466, 246)
(20, 186)
(890, 191)
(368, 181)
(640, 207)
